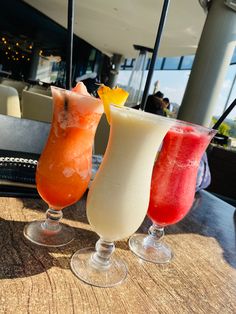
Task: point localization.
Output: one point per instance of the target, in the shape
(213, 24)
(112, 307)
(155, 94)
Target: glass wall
(171, 77)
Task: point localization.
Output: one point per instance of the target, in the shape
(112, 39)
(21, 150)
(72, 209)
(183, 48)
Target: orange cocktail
(65, 166)
(64, 169)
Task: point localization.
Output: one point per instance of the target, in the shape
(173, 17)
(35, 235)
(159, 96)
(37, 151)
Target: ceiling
(114, 26)
(27, 27)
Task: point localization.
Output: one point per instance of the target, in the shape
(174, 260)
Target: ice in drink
(64, 168)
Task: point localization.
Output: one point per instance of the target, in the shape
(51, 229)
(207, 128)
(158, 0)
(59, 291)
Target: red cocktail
(173, 186)
(174, 175)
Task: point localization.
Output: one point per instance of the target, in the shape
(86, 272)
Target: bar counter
(200, 279)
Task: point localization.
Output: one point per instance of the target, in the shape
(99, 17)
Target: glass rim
(153, 116)
(61, 89)
(68, 91)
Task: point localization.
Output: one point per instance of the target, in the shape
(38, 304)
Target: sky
(173, 84)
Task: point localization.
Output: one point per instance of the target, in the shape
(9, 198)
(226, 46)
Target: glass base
(38, 234)
(100, 276)
(150, 249)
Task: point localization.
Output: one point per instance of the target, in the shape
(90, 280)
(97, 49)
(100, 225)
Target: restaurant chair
(21, 143)
(18, 85)
(9, 101)
(36, 106)
(222, 163)
(40, 90)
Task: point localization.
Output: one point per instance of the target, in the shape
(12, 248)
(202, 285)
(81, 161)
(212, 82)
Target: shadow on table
(74, 212)
(19, 258)
(209, 217)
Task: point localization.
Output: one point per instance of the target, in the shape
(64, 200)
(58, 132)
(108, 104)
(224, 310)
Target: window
(158, 63)
(187, 63)
(233, 60)
(171, 63)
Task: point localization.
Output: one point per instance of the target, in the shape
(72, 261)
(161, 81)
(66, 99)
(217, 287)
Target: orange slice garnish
(116, 96)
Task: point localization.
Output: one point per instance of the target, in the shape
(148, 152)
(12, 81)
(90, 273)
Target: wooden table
(200, 279)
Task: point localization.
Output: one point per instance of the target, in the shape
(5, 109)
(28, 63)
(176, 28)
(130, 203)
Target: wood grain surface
(200, 279)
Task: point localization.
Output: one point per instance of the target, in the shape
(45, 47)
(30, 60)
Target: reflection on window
(48, 68)
(158, 63)
(91, 61)
(187, 62)
(171, 63)
(128, 64)
(92, 55)
(233, 60)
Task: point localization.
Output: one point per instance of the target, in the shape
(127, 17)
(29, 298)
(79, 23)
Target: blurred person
(155, 103)
(166, 102)
(166, 107)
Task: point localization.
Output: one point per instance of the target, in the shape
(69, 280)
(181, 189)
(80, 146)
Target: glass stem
(52, 222)
(101, 258)
(156, 231)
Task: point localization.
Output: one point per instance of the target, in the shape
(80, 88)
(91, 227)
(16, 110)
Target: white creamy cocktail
(119, 195)
(118, 198)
